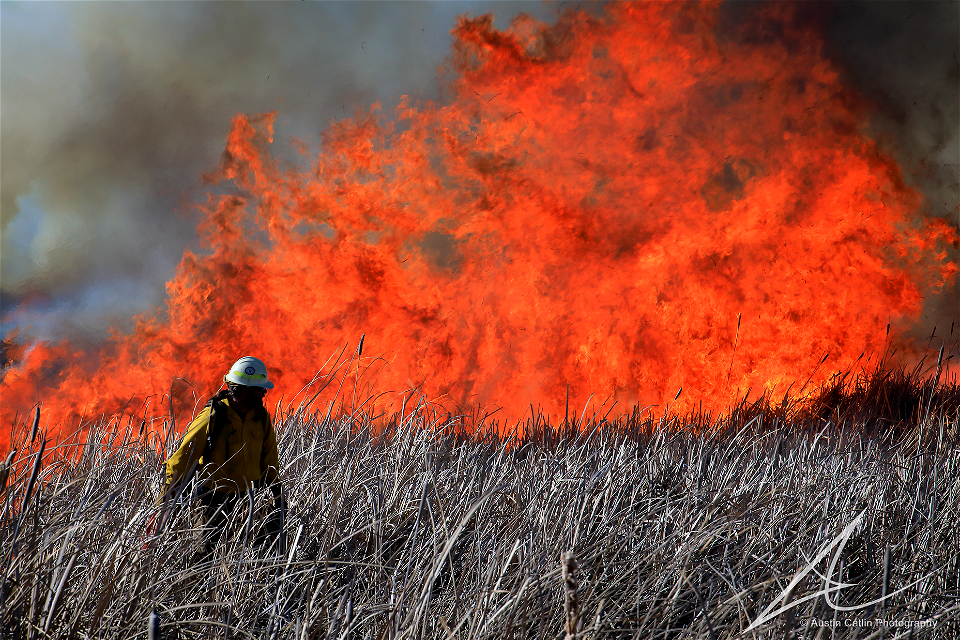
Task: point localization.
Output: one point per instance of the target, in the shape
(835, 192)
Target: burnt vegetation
(645, 526)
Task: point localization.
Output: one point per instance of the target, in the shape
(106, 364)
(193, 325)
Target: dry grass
(677, 527)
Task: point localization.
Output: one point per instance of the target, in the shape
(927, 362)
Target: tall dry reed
(777, 521)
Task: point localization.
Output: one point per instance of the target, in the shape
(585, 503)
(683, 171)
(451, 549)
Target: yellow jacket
(245, 451)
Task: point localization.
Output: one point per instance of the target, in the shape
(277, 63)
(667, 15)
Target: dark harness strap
(218, 415)
(265, 421)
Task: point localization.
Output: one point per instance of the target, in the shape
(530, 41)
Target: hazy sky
(111, 112)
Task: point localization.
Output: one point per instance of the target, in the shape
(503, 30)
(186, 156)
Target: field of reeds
(835, 517)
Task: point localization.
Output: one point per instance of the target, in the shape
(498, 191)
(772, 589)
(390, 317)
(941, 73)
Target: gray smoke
(904, 58)
(111, 112)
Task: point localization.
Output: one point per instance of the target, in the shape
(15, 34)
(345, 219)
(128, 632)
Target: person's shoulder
(263, 416)
(199, 421)
(203, 415)
(222, 397)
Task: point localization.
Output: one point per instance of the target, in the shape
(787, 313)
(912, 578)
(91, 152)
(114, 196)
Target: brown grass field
(842, 510)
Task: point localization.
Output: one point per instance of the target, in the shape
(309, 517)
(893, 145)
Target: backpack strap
(264, 418)
(218, 416)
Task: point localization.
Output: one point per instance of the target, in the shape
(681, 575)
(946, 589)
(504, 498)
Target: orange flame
(626, 205)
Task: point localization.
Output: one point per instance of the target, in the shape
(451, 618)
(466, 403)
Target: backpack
(218, 418)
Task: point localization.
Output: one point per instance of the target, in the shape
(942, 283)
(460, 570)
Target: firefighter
(230, 448)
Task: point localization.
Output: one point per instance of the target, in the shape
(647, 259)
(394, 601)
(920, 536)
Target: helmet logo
(249, 371)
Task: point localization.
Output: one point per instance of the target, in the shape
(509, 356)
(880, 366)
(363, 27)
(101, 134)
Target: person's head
(248, 383)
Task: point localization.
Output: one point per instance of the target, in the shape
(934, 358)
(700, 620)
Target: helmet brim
(247, 381)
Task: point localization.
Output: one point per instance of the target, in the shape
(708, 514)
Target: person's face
(247, 397)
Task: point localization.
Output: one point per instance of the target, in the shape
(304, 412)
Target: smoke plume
(904, 58)
(113, 111)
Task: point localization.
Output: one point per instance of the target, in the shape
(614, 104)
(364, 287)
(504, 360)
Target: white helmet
(250, 372)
